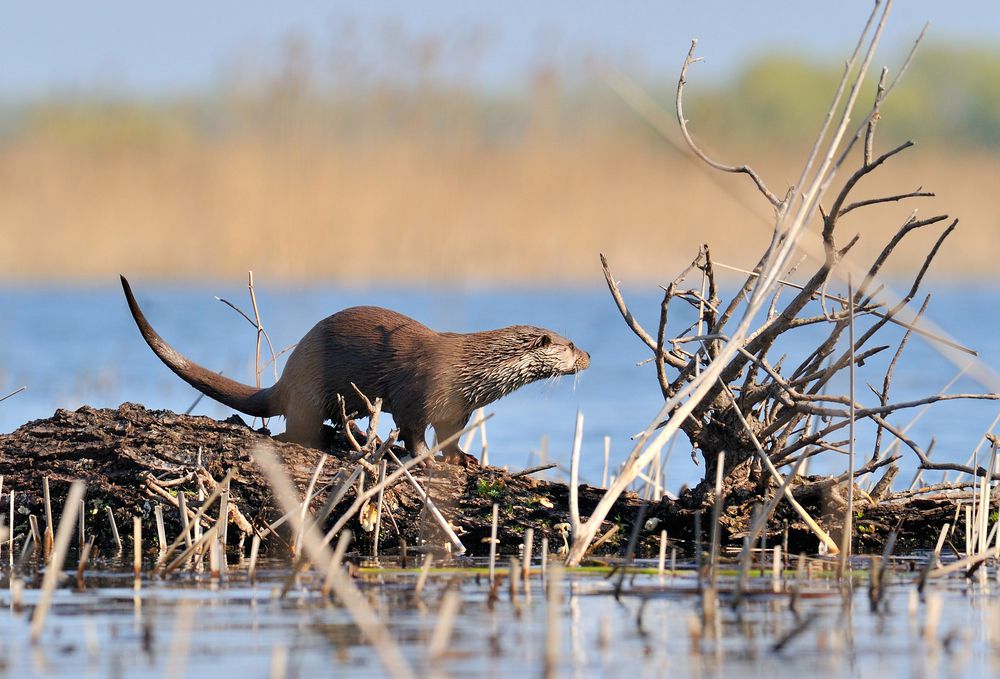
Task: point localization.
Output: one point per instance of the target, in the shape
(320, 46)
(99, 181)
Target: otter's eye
(572, 346)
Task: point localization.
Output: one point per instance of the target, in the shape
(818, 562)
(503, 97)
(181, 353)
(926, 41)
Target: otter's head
(554, 354)
(496, 362)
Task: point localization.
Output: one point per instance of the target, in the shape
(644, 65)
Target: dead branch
(744, 169)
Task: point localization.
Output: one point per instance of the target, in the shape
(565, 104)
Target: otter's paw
(461, 459)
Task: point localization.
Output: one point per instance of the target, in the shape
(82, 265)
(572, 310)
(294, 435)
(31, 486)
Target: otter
(423, 377)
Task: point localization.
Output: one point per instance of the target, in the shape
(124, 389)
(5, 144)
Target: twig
(13, 393)
(744, 169)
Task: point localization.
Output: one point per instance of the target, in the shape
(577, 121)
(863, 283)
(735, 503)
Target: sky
(160, 49)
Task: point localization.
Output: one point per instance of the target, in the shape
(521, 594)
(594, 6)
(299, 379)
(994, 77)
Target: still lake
(73, 346)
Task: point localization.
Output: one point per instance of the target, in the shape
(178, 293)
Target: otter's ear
(542, 341)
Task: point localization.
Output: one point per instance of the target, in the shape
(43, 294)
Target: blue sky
(156, 49)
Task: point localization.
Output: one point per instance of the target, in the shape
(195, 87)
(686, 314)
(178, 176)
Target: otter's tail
(246, 399)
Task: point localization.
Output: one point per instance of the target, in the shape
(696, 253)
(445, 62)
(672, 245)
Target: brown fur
(423, 377)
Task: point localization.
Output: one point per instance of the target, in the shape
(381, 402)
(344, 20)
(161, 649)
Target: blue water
(72, 347)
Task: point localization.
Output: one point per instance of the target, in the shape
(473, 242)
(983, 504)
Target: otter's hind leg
(304, 425)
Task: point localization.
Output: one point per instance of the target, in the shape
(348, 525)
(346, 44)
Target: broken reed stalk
(574, 476)
(661, 561)
(136, 548)
(296, 545)
(161, 533)
(544, 557)
(82, 528)
(114, 529)
(60, 546)
(716, 526)
(363, 615)
(514, 579)
(185, 524)
(484, 458)
(254, 552)
(425, 569)
(36, 536)
(529, 538)
(378, 508)
(48, 518)
(82, 565)
(10, 539)
(493, 544)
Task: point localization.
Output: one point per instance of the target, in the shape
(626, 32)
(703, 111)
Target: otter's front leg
(453, 454)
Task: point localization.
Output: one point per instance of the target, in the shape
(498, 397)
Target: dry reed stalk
(136, 548)
(716, 526)
(82, 528)
(553, 618)
(36, 536)
(82, 565)
(161, 533)
(13, 393)
(296, 544)
(425, 569)
(114, 529)
(661, 562)
(185, 524)
(574, 476)
(544, 557)
(10, 543)
(60, 545)
(431, 507)
(215, 555)
(450, 604)
(378, 509)
(364, 617)
(514, 579)
(484, 458)
(48, 518)
(493, 544)
(529, 540)
(968, 530)
(224, 515)
(254, 552)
